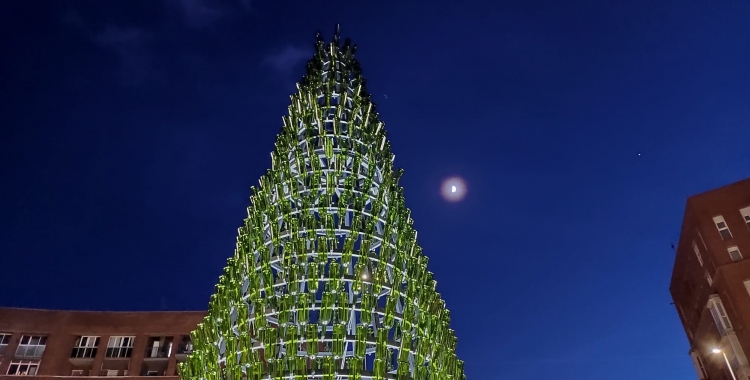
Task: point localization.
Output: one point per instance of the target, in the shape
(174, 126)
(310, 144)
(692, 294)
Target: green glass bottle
(360, 346)
(368, 303)
(342, 309)
(260, 321)
(390, 310)
(301, 368)
(293, 279)
(329, 368)
(329, 211)
(303, 309)
(339, 335)
(312, 341)
(256, 370)
(284, 310)
(334, 277)
(326, 310)
(379, 369)
(313, 277)
(354, 366)
(359, 275)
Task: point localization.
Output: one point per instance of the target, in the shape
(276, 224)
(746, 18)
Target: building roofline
(717, 189)
(100, 311)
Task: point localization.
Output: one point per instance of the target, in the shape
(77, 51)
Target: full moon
(453, 189)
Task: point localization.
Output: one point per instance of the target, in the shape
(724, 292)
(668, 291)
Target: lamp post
(716, 351)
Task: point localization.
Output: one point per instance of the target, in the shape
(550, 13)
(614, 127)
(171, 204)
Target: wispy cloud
(134, 46)
(128, 45)
(284, 60)
(198, 14)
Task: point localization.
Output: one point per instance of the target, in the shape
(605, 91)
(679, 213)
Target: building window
(85, 347)
(76, 372)
(719, 314)
(721, 225)
(734, 253)
(159, 347)
(697, 253)
(708, 278)
(120, 346)
(746, 215)
(703, 242)
(4, 341)
(698, 363)
(31, 346)
(23, 367)
(186, 345)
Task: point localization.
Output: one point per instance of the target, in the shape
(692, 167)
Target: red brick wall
(690, 289)
(63, 327)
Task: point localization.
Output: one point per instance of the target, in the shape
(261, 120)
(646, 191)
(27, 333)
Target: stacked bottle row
(327, 279)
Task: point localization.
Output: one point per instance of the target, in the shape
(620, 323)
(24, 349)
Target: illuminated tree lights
(327, 280)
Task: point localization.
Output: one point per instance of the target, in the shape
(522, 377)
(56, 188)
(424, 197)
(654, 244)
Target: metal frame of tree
(327, 280)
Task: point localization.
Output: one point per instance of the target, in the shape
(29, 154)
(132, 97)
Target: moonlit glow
(453, 189)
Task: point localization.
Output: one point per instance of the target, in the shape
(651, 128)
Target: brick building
(711, 281)
(50, 343)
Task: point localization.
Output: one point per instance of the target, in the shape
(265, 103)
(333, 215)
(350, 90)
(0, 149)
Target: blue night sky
(132, 132)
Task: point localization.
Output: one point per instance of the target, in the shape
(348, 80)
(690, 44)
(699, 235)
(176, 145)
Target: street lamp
(716, 351)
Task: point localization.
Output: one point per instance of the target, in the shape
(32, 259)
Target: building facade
(710, 282)
(51, 343)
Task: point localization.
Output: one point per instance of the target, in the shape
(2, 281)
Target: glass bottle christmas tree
(327, 280)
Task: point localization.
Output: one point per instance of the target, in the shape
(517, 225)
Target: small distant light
(716, 351)
(453, 189)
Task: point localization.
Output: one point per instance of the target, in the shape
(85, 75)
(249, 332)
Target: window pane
(717, 319)
(734, 253)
